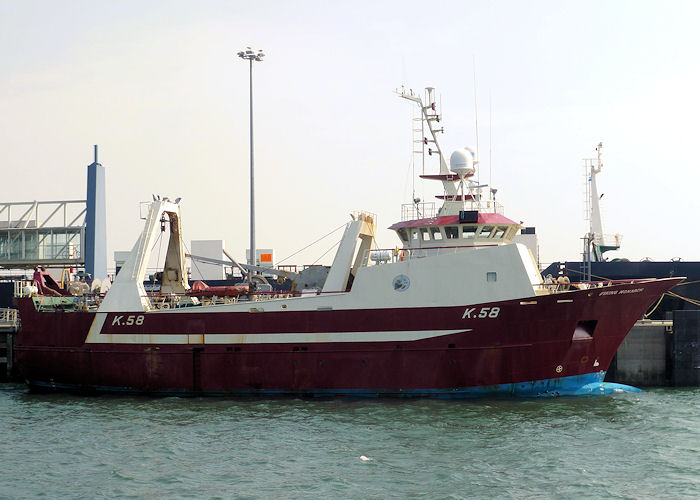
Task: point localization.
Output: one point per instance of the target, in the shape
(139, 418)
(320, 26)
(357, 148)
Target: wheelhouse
(447, 231)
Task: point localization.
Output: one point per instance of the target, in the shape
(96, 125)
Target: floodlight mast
(251, 56)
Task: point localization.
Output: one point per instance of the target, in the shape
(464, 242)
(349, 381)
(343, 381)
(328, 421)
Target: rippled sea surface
(643, 445)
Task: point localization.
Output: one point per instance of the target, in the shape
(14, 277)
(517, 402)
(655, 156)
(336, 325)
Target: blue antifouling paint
(590, 384)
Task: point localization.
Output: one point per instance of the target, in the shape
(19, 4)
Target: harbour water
(644, 445)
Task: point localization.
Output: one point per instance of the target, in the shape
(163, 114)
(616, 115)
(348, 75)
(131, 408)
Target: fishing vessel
(457, 309)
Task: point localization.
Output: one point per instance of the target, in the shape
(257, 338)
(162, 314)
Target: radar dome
(462, 162)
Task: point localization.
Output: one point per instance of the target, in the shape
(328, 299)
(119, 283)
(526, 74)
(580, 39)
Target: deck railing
(428, 210)
(564, 286)
(413, 211)
(8, 318)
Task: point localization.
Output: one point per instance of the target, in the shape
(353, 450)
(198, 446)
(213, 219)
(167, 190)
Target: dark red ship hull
(528, 348)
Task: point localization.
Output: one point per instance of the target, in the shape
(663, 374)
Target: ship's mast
(460, 192)
(595, 241)
(596, 224)
(430, 116)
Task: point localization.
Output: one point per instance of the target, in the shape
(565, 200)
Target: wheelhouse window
(403, 234)
(424, 232)
(435, 233)
(452, 232)
(414, 234)
(485, 231)
(469, 232)
(500, 232)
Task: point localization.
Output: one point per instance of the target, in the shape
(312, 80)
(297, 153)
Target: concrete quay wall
(660, 353)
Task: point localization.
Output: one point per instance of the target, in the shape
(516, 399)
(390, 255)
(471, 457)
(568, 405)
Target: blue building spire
(96, 222)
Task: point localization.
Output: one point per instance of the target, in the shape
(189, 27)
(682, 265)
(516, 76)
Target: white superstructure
(463, 252)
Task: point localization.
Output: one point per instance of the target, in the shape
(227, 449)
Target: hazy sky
(159, 87)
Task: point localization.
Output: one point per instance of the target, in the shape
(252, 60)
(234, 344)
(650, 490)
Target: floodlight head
(250, 55)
